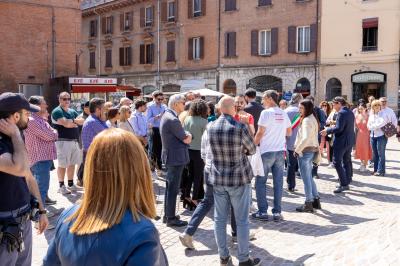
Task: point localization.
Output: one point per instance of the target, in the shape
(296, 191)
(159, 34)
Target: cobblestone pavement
(359, 227)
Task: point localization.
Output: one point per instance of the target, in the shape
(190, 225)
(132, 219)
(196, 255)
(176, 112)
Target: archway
(230, 87)
(266, 82)
(333, 88)
(303, 86)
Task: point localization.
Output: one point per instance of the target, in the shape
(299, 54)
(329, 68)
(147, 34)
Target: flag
(295, 121)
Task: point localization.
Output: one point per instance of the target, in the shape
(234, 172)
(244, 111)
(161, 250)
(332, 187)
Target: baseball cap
(10, 102)
(339, 99)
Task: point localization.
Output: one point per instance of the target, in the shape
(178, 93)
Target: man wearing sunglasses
(66, 122)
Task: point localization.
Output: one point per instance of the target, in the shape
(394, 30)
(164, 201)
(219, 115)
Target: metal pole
(53, 44)
(158, 44)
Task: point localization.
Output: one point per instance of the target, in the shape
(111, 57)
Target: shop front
(367, 84)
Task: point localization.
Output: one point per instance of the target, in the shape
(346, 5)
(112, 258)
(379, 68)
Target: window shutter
(142, 54)
(95, 27)
(226, 44)
(190, 8)
(201, 47)
(164, 11)
(170, 51)
(103, 25)
(254, 42)
(121, 22)
(152, 15)
(142, 17)
(151, 53)
(176, 10)
(121, 56)
(112, 24)
(203, 7)
(292, 39)
(190, 49)
(129, 56)
(131, 20)
(274, 40)
(232, 45)
(313, 37)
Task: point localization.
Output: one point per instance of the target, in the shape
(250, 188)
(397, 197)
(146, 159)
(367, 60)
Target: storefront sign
(95, 81)
(368, 78)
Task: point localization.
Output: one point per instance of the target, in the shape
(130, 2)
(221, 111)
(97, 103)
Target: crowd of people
(207, 152)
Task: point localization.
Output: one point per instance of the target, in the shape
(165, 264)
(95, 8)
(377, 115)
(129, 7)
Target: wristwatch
(42, 212)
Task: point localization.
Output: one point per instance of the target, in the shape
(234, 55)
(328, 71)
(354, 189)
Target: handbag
(256, 163)
(389, 129)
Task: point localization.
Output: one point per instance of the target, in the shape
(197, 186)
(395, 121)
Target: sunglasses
(160, 99)
(66, 99)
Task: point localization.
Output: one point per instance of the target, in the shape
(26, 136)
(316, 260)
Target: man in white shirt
(273, 127)
(387, 112)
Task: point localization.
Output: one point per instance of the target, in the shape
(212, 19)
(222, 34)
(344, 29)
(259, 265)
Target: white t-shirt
(276, 122)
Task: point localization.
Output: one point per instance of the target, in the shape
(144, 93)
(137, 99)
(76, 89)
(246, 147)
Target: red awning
(93, 88)
(370, 23)
(130, 91)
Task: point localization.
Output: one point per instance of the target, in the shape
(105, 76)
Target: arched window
(263, 83)
(230, 87)
(303, 86)
(333, 89)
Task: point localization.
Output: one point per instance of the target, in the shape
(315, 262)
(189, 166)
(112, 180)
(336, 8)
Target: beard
(22, 124)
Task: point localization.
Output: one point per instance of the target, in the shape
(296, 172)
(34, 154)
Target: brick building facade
(39, 40)
(224, 45)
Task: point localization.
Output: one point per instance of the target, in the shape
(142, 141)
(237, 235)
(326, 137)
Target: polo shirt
(13, 189)
(63, 132)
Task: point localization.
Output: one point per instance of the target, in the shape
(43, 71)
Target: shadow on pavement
(375, 196)
(374, 186)
(341, 199)
(342, 219)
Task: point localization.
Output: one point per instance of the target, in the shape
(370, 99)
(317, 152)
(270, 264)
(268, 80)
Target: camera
(34, 214)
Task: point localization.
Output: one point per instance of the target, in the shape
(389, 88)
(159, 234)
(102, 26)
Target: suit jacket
(174, 151)
(344, 129)
(254, 108)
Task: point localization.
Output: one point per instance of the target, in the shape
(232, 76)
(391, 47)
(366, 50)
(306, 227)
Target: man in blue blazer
(343, 142)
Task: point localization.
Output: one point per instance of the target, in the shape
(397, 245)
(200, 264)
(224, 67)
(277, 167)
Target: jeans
(157, 147)
(378, 149)
(174, 174)
(306, 164)
(291, 169)
(343, 164)
(203, 208)
(239, 197)
(41, 172)
(272, 161)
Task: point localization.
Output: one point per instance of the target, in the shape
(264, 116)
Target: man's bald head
(227, 105)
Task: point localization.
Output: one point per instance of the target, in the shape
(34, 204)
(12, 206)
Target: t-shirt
(276, 122)
(196, 126)
(63, 132)
(13, 189)
(251, 118)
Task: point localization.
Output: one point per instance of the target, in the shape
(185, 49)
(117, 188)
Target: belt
(15, 213)
(61, 139)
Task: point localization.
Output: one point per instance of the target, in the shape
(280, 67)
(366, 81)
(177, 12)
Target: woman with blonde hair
(124, 115)
(111, 226)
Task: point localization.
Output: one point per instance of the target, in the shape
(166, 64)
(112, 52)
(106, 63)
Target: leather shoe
(164, 219)
(176, 222)
(341, 189)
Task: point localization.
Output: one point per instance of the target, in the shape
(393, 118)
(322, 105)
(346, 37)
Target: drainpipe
(158, 43)
(53, 44)
(219, 45)
(316, 74)
(99, 41)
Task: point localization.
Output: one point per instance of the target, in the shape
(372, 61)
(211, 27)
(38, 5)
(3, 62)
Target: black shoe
(306, 207)
(291, 190)
(316, 177)
(164, 219)
(316, 204)
(341, 189)
(49, 201)
(176, 222)
(251, 262)
(225, 261)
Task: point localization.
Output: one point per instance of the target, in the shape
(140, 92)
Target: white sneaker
(371, 165)
(74, 188)
(186, 240)
(63, 190)
(362, 168)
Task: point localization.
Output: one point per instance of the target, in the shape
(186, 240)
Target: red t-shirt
(251, 118)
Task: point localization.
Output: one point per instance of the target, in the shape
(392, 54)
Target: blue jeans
(272, 161)
(292, 166)
(343, 164)
(306, 165)
(41, 171)
(174, 174)
(203, 208)
(239, 197)
(378, 149)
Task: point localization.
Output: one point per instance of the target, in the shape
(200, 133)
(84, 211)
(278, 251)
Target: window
(149, 16)
(92, 60)
(197, 8)
(126, 21)
(146, 54)
(125, 56)
(171, 11)
(108, 58)
(171, 51)
(264, 2)
(370, 34)
(109, 25)
(303, 39)
(265, 42)
(93, 28)
(230, 5)
(196, 48)
(230, 44)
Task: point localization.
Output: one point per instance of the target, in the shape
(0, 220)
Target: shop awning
(93, 88)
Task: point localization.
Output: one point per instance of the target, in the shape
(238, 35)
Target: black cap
(339, 99)
(10, 102)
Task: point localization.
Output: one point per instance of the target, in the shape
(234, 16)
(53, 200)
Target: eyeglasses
(66, 99)
(160, 99)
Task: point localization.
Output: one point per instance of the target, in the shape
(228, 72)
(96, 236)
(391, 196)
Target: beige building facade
(359, 55)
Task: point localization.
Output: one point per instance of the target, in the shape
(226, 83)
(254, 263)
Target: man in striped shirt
(40, 140)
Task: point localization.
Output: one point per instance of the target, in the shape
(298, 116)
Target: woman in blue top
(111, 226)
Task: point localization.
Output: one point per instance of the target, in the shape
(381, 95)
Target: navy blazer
(344, 129)
(126, 243)
(174, 151)
(254, 108)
